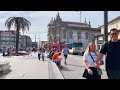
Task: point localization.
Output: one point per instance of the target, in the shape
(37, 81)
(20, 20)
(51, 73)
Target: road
(74, 68)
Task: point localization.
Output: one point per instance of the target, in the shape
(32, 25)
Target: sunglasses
(114, 33)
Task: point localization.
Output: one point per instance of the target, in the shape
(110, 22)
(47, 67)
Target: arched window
(79, 35)
(86, 35)
(71, 34)
(64, 34)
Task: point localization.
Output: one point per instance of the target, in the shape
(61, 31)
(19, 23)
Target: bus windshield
(77, 45)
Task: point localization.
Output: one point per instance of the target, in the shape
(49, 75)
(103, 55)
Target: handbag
(98, 69)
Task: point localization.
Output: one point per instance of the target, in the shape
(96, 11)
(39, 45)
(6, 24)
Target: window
(86, 35)
(5, 43)
(7, 38)
(64, 34)
(71, 34)
(79, 35)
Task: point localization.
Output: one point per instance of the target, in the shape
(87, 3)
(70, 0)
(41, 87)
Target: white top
(89, 59)
(65, 51)
(39, 52)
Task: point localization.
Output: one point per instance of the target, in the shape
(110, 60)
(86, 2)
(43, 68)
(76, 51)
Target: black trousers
(112, 74)
(65, 56)
(39, 56)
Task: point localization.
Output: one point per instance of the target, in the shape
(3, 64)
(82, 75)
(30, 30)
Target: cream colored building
(115, 23)
(68, 32)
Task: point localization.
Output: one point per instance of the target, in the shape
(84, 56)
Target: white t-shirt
(39, 52)
(89, 59)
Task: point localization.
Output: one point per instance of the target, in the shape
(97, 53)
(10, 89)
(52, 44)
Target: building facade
(44, 43)
(68, 32)
(35, 44)
(115, 23)
(26, 42)
(8, 39)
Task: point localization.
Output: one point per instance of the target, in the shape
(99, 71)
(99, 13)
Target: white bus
(74, 48)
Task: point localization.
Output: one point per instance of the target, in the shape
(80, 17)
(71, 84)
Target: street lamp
(80, 13)
(39, 41)
(58, 26)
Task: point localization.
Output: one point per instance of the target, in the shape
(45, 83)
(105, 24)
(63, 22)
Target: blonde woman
(89, 57)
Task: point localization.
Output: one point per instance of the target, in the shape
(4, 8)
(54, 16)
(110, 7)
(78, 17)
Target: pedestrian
(29, 52)
(39, 53)
(8, 52)
(65, 52)
(43, 54)
(4, 50)
(89, 58)
(111, 49)
(56, 58)
(50, 54)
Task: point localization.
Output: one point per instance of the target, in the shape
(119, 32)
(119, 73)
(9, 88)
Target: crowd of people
(7, 51)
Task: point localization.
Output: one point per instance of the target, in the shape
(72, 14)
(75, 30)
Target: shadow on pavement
(75, 65)
(2, 74)
(66, 69)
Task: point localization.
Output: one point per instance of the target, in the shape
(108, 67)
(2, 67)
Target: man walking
(112, 50)
(65, 52)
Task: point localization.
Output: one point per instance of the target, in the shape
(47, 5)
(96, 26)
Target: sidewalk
(27, 67)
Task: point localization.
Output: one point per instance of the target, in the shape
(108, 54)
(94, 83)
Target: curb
(54, 72)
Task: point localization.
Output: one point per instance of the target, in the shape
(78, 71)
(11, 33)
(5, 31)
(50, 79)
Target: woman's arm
(87, 68)
(100, 56)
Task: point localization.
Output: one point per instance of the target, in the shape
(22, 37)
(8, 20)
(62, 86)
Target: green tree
(20, 23)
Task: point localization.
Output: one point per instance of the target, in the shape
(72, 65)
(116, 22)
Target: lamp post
(39, 41)
(80, 13)
(105, 26)
(58, 26)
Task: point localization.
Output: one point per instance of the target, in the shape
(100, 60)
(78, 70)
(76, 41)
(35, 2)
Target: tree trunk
(17, 37)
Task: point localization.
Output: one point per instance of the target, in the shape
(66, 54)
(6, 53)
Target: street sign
(100, 41)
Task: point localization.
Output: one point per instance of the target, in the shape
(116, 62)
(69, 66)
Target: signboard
(100, 41)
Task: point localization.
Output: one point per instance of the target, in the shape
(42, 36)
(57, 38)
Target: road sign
(100, 41)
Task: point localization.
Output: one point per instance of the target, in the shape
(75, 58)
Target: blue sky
(40, 19)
